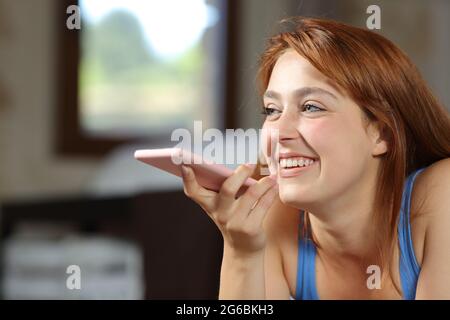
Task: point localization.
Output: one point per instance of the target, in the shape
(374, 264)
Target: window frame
(70, 138)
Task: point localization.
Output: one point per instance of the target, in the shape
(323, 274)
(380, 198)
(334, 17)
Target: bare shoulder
(434, 279)
(432, 189)
(428, 192)
(280, 225)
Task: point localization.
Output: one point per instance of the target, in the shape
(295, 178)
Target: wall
(420, 28)
(28, 166)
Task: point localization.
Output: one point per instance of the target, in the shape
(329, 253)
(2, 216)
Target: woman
(367, 216)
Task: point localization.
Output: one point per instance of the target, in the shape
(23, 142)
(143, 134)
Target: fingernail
(273, 177)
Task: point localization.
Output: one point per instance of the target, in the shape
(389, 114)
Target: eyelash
(265, 110)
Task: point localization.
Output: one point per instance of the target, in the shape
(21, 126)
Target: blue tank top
(408, 265)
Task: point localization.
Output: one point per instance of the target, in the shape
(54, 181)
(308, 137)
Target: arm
(240, 221)
(276, 285)
(260, 276)
(434, 279)
(278, 226)
(242, 277)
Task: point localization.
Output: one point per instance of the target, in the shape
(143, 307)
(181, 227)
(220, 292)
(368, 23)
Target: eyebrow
(305, 91)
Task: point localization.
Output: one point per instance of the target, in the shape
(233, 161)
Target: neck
(343, 239)
(344, 228)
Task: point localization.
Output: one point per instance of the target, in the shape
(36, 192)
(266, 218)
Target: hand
(240, 220)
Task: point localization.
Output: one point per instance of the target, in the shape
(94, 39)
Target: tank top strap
(408, 265)
(306, 265)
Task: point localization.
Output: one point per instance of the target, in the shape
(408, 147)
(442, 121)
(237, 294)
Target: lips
(284, 155)
(295, 171)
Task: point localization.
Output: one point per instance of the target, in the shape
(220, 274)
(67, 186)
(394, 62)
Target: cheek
(336, 141)
(267, 146)
(342, 148)
(264, 139)
(322, 135)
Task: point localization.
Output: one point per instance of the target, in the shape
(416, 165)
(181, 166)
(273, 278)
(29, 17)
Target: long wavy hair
(389, 89)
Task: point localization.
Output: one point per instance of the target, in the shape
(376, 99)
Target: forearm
(242, 278)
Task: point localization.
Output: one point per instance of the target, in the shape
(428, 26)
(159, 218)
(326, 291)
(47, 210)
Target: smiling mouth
(295, 162)
(290, 167)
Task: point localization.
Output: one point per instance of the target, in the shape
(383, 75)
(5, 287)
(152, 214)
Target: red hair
(389, 89)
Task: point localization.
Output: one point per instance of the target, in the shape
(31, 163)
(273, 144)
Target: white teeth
(295, 162)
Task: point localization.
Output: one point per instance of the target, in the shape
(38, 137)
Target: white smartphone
(208, 174)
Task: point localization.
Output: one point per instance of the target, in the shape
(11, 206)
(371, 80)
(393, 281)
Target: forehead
(293, 70)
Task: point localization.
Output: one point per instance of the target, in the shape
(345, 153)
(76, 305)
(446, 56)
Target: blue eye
(311, 105)
(267, 111)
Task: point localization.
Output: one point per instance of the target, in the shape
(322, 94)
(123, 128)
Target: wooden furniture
(181, 246)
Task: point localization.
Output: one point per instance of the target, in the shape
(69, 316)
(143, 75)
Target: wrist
(237, 254)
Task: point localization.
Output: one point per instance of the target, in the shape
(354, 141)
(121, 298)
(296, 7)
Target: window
(140, 69)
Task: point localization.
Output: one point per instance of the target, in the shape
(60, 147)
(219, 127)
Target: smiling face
(316, 119)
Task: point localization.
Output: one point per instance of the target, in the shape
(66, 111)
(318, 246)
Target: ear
(377, 139)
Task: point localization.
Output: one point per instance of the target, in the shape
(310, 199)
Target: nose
(281, 131)
(287, 127)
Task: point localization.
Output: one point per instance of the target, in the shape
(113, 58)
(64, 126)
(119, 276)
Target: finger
(256, 216)
(232, 184)
(255, 192)
(205, 198)
(250, 199)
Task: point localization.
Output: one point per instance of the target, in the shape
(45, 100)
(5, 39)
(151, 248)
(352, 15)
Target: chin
(293, 197)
